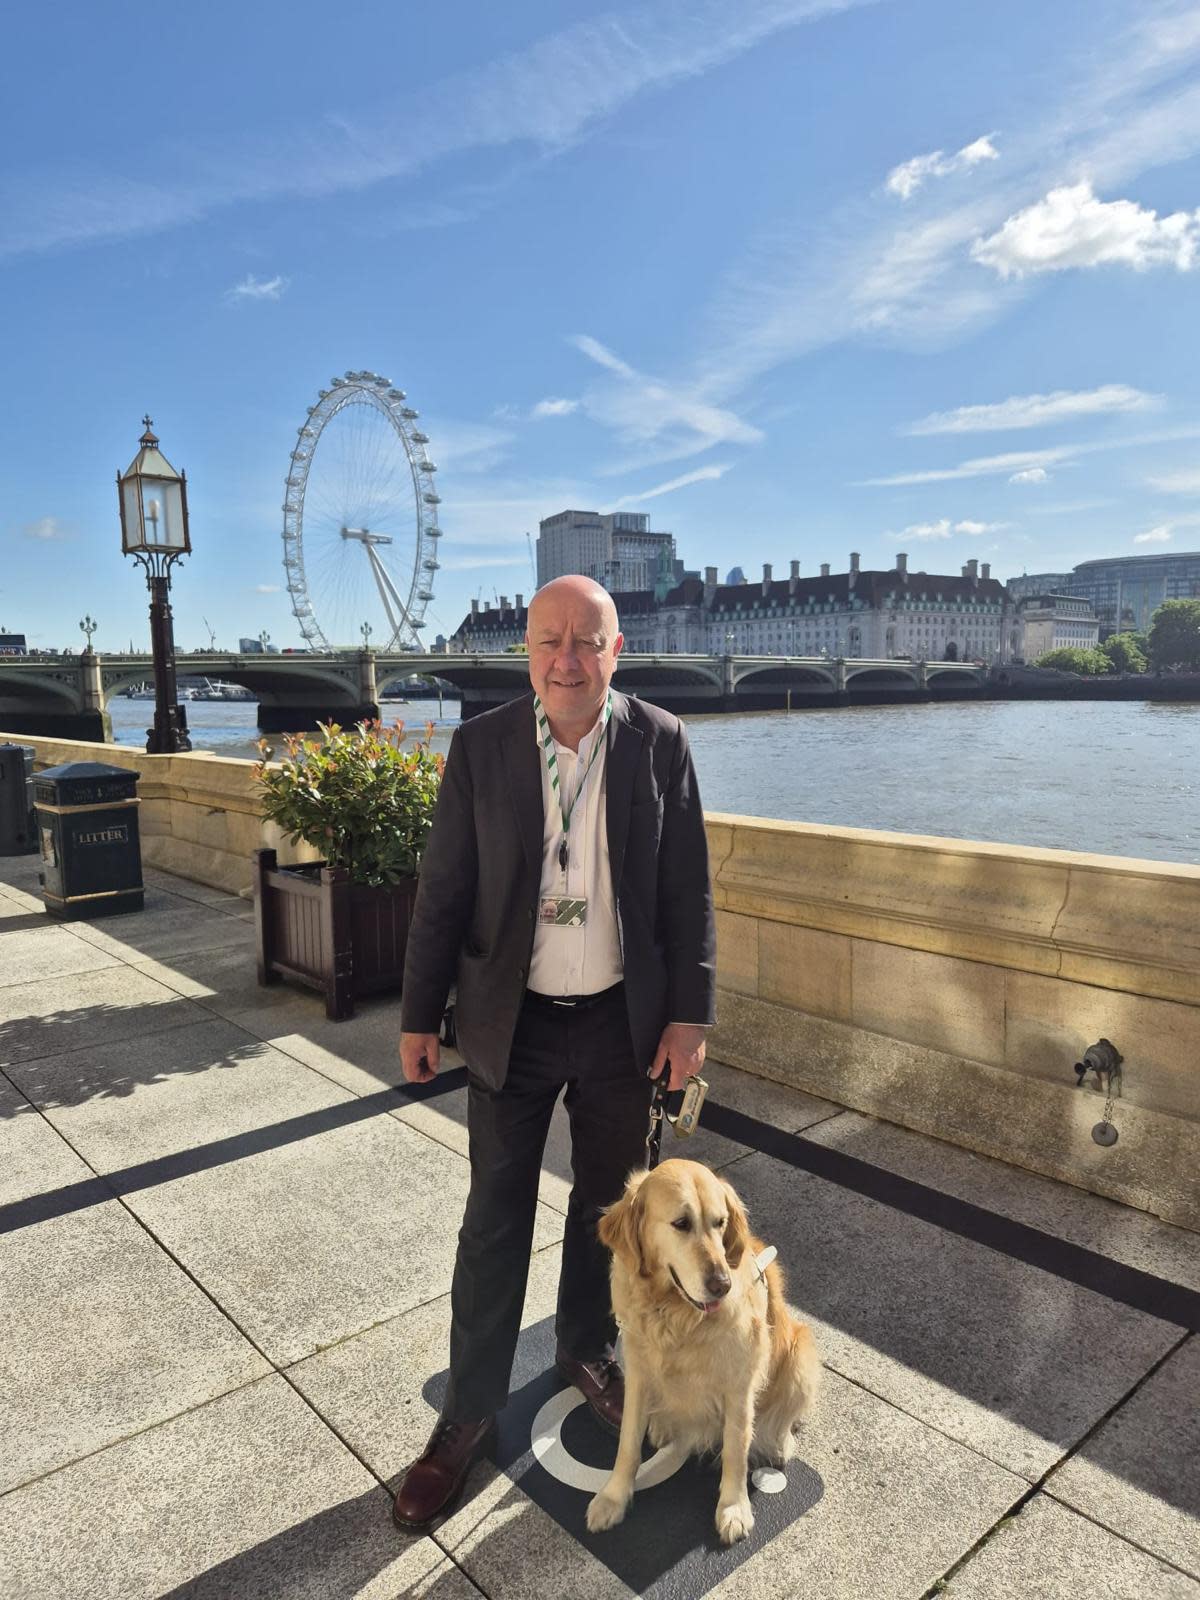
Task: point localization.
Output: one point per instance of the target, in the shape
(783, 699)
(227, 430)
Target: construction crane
(212, 638)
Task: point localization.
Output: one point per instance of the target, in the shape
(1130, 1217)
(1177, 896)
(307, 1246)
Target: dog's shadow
(555, 1452)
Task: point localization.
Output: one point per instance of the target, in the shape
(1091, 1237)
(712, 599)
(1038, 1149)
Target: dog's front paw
(605, 1510)
(734, 1521)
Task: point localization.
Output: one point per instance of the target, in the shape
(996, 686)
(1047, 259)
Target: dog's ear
(621, 1226)
(737, 1228)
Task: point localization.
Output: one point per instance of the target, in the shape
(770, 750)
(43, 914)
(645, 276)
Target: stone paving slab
(1050, 1553)
(1119, 1232)
(1012, 1361)
(180, 1089)
(316, 1240)
(378, 1388)
(1139, 1474)
(33, 1158)
(899, 1504)
(82, 1010)
(168, 926)
(248, 1498)
(33, 955)
(101, 1335)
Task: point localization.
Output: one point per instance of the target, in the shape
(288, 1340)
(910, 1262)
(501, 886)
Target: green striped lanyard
(547, 739)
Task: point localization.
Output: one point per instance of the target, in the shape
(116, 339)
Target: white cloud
(267, 588)
(944, 528)
(252, 288)
(1030, 475)
(1071, 228)
(1176, 483)
(660, 421)
(701, 475)
(909, 176)
(1022, 462)
(554, 408)
(546, 96)
(1034, 410)
(46, 528)
(1158, 535)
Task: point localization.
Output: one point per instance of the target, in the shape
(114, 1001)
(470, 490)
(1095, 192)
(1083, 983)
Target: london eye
(360, 518)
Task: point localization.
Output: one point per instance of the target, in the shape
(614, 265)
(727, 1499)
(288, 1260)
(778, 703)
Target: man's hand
(682, 1045)
(419, 1056)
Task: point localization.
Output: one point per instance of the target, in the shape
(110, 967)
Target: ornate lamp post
(88, 626)
(154, 531)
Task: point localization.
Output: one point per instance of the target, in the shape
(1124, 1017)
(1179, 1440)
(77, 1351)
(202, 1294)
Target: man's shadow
(667, 1544)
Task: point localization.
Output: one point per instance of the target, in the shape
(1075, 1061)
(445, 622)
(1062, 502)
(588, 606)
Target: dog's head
(682, 1221)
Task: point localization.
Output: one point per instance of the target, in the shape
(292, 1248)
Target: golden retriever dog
(714, 1360)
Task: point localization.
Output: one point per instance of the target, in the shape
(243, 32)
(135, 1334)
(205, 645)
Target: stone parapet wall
(199, 815)
(951, 987)
(944, 985)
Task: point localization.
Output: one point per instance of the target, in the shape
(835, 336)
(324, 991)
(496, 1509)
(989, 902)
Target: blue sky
(795, 276)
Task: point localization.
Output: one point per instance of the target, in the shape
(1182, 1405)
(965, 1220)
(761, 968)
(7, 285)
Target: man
(565, 885)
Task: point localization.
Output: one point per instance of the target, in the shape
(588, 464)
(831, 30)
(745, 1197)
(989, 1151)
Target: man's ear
(621, 1226)
(737, 1228)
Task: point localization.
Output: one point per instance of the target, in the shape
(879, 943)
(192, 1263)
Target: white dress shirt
(577, 960)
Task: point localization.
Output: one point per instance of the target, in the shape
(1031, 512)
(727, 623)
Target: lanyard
(547, 739)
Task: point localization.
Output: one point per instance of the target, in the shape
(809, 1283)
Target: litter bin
(18, 833)
(87, 815)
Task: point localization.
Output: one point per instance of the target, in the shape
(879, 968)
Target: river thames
(1113, 777)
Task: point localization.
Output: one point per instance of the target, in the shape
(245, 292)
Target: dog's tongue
(710, 1306)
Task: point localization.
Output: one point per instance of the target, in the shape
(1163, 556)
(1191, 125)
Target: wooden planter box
(315, 926)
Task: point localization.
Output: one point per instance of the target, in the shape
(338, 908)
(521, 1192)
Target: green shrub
(1088, 663)
(1124, 653)
(363, 798)
(1175, 634)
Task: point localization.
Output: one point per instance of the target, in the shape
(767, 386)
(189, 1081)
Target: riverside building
(1123, 591)
(1057, 622)
(617, 549)
(872, 614)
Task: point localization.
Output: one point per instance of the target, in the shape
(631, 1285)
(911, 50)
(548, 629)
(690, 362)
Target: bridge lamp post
(88, 626)
(154, 531)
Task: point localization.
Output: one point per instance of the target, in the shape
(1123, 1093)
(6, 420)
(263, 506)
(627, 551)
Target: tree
(1088, 663)
(1175, 635)
(1123, 653)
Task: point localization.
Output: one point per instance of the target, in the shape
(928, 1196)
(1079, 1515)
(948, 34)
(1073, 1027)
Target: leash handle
(679, 1107)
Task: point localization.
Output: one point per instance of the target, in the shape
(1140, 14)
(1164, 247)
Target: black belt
(570, 1002)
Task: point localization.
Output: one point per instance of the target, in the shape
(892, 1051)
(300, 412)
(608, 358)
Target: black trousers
(608, 1104)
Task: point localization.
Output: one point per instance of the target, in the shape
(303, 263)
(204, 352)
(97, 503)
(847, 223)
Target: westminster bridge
(69, 695)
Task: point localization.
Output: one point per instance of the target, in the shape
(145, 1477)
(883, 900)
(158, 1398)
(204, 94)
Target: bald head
(574, 640)
(576, 593)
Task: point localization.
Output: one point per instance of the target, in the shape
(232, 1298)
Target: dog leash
(679, 1107)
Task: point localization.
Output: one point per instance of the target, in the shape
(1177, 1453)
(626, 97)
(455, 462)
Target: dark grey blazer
(481, 876)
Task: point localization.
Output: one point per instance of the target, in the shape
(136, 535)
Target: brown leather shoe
(434, 1481)
(601, 1384)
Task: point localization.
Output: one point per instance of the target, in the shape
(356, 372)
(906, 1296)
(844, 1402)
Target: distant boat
(214, 689)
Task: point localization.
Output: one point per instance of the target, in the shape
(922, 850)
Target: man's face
(573, 649)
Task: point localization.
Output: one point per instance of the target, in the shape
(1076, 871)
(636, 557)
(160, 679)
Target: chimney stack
(902, 565)
(475, 607)
(503, 604)
(973, 570)
(824, 569)
(854, 560)
(985, 571)
(794, 577)
(710, 576)
(766, 578)
(520, 601)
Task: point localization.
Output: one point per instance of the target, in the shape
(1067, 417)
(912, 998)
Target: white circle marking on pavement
(769, 1479)
(550, 1452)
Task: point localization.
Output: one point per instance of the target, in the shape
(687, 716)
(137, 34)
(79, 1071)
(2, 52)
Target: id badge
(694, 1091)
(562, 911)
